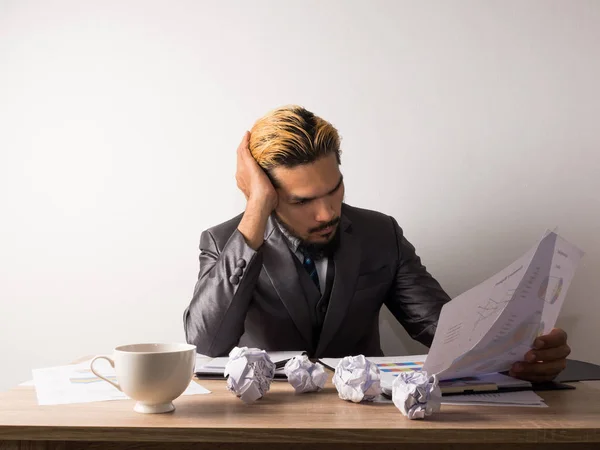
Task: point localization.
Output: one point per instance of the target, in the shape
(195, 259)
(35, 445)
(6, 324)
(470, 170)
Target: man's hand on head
(260, 195)
(252, 180)
(545, 360)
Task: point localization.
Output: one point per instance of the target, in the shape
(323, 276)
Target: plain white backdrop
(474, 123)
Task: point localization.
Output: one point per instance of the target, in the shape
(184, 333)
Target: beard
(317, 250)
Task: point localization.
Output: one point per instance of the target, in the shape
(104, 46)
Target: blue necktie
(311, 268)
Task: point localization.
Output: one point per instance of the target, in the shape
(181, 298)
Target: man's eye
(301, 202)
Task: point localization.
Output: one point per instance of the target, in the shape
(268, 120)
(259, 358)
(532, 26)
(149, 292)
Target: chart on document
(494, 324)
(395, 368)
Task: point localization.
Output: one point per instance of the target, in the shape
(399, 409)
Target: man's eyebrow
(296, 199)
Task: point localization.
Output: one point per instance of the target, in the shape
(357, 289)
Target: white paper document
(518, 398)
(389, 366)
(216, 366)
(493, 325)
(498, 380)
(77, 384)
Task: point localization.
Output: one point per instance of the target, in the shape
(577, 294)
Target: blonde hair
(290, 136)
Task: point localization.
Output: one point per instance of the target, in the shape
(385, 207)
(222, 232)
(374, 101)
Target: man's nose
(325, 211)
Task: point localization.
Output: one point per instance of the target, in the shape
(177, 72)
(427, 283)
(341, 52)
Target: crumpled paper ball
(357, 379)
(250, 372)
(416, 394)
(304, 375)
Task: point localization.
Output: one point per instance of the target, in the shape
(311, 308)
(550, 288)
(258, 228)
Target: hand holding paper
(546, 360)
(493, 325)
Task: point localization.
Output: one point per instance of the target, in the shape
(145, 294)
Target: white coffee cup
(152, 374)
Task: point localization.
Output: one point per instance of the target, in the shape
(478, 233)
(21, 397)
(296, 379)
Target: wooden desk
(318, 420)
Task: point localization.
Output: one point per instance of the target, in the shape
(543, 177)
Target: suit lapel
(347, 261)
(281, 269)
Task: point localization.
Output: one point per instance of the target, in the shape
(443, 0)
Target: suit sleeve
(214, 320)
(416, 298)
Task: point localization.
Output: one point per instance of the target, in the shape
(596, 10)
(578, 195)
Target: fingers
(546, 360)
(240, 174)
(245, 139)
(252, 180)
(244, 144)
(247, 168)
(539, 371)
(244, 157)
(555, 338)
(549, 354)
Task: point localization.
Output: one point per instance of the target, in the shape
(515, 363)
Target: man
(301, 270)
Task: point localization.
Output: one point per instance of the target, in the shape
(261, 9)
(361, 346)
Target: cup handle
(112, 363)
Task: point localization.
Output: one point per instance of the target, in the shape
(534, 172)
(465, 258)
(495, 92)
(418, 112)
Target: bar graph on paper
(395, 368)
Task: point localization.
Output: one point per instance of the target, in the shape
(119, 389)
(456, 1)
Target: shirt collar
(292, 241)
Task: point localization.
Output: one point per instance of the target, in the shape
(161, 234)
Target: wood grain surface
(303, 420)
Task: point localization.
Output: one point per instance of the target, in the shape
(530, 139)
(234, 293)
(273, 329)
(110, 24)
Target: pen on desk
(281, 364)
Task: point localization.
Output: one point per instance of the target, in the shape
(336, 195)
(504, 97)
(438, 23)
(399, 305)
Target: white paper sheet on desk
(517, 398)
(389, 366)
(392, 363)
(491, 326)
(221, 362)
(216, 366)
(77, 384)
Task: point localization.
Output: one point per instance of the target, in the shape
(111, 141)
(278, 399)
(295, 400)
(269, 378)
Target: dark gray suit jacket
(254, 298)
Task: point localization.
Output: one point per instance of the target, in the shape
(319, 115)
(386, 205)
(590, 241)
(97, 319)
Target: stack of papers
(389, 366)
(484, 383)
(521, 398)
(509, 391)
(215, 367)
(77, 384)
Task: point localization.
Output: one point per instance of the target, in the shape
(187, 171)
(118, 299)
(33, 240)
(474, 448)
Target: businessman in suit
(301, 270)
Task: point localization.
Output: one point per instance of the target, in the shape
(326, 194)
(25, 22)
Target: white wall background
(474, 123)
